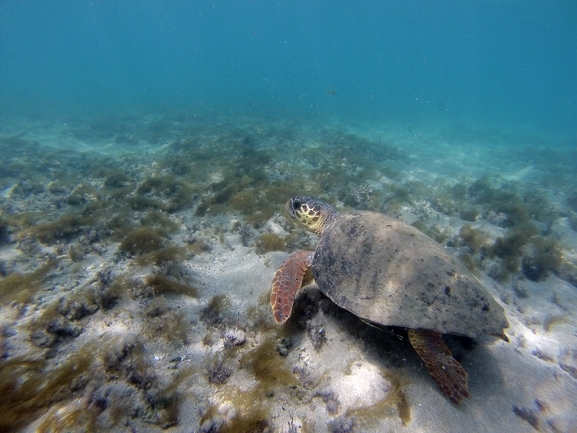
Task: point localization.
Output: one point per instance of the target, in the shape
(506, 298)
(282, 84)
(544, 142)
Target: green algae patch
(267, 366)
(394, 404)
(114, 292)
(213, 313)
(127, 362)
(544, 256)
(162, 284)
(69, 417)
(473, 238)
(512, 243)
(249, 410)
(170, 254)
(142, 240)
(82, 194)
(520, 206)
(469, 213)
(66, 227)
(159, 220)
(243, 200)
(28, 386)
(435, 232)
(509, 249)
(199, 246)
(20, 288)
(268, 242)
(116, 179)
(163, 321)
(176, 193)
(260, 216)
(141, 203)
(242, 414)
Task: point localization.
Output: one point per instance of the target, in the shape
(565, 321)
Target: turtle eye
(296, 204)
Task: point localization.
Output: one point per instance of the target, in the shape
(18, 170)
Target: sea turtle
(389, 273)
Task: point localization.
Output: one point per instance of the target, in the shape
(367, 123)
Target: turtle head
(313, 213)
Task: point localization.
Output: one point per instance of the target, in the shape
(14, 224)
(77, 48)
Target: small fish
(332, 91)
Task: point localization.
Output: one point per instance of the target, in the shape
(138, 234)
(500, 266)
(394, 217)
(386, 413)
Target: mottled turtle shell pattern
(388, 272)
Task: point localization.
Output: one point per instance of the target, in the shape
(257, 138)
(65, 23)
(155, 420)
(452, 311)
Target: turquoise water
(149, 148)
(510, 64)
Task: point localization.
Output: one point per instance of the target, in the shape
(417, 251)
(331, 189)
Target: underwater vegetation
(519, 205)
(128, 362)
(162, 284)
(16, 151)
(268, 367)
(29, 385)
(20, 288)
(544, 256)
(250, 411)
(246, 183)
(434, 231)
(213, 313)
(169, 254)
(142, 240)
(527, 247)
(100, 244)
(166, 322)
(509, 248)
(268, 242)
(64, 228)
(96, 384)
(473, 238)
(476, 243)
(171, 193)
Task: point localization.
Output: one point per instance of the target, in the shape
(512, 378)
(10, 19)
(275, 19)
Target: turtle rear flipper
(445, 369)
(286, 282)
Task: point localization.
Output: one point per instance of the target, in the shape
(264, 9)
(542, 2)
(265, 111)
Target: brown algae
(31, 385)
(249, 410)
(20, 288)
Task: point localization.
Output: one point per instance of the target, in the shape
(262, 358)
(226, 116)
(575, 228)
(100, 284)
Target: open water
(144, 141)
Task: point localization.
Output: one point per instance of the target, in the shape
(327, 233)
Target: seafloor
(136, 254)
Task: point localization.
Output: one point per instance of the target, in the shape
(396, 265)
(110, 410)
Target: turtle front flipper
(445, 369)
(286, 282)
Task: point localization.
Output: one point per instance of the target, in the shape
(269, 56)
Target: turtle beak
(289, 207)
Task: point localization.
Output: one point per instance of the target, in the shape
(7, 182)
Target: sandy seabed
(137, 252)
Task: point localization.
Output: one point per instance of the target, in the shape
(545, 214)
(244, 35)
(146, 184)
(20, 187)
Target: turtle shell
(390, 273)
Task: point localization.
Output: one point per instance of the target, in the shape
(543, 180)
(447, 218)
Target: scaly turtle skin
(390, 273)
